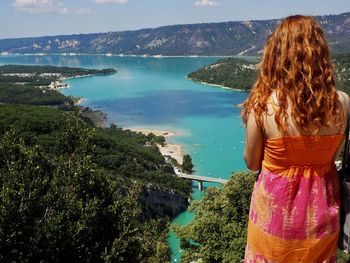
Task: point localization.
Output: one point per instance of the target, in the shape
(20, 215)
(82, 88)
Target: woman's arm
(344, 99)
(254, 144)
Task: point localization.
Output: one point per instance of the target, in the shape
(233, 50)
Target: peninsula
(234, 73)
(47, 76)
(39, 85)
(239, 73)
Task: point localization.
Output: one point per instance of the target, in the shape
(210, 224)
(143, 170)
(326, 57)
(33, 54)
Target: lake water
(154, 93)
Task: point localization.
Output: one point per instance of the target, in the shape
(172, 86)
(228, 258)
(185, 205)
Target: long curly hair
(296, 65)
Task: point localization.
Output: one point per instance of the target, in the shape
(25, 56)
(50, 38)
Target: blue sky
(23, 18)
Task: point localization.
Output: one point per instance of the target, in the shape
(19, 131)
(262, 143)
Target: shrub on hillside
(218, 232)
(67, 209)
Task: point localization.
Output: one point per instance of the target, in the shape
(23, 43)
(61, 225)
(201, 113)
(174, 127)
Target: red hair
(296, 64)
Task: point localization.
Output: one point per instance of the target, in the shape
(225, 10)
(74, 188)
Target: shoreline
(173, 150)
(99, 118)
(79, 101)
(217, 85)
(116, 55)
(60, 83)
(83, 76)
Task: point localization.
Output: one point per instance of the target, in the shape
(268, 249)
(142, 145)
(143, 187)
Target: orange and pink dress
(294, 212)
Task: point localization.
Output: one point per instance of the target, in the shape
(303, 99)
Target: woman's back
(297, 149)
(294, 213)
(295, 121)
(270, 127)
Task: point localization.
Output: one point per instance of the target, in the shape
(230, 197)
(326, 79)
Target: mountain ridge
(217, 38)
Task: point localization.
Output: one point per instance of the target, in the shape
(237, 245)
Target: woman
(295, 121)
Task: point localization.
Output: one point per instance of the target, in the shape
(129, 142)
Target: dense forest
(22, 84)
(71, 192)
(218, 233)
(236, 73)
(239, 73)
(342, 71)
(27, 94)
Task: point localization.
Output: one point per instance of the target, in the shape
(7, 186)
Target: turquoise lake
(154, 93)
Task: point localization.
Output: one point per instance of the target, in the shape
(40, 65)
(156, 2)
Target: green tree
(187, 164)
(218, 232)
(67, 209)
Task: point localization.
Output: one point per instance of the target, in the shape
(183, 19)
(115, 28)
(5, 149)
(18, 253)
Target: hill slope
(71, 192)
(227, 38)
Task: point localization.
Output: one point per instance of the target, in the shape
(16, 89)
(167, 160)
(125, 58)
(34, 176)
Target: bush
(187, 164)
(218, 232)
(67, 209)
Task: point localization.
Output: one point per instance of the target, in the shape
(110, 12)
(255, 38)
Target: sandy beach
(220, 86)
(155, 132)
(79, 101)
(173, 150)
(216, 85)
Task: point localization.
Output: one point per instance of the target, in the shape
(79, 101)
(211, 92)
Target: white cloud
(47, 6)
(206, 3)
(34, 6)
(61, 9)
(109, 1)
(83, 11)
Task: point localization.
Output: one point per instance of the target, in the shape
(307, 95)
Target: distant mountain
(227, 38)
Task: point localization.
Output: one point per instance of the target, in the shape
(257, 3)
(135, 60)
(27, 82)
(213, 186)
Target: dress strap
(273, 104)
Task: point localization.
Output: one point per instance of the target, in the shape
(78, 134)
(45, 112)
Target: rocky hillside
(227, 38)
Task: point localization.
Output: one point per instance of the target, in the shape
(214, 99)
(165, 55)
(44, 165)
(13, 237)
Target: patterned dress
(294, 212)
